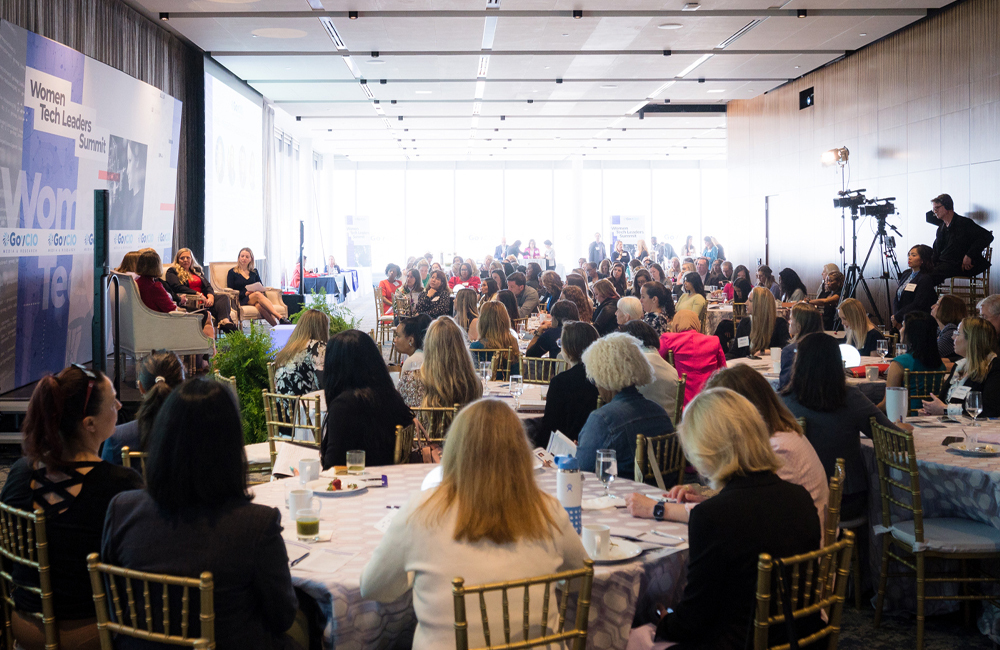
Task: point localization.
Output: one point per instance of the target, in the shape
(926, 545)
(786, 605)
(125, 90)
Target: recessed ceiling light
(375, 61)
(669, 26)
(796, 67)
(862, 34)
(717, 90)
(565, 34)
(609, 86)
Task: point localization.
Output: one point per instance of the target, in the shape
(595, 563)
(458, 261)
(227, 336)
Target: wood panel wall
(920, 113)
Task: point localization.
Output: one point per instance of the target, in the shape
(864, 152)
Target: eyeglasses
(92, 380)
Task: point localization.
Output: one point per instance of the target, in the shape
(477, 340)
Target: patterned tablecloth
(873, 390)
(658, 575)
(952, 485)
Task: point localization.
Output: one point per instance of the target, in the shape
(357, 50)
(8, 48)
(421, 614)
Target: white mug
(308, 470)
(597, 540)
(302, 499)
(775, 354)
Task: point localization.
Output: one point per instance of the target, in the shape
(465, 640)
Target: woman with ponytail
(159, 373)
(69, 416)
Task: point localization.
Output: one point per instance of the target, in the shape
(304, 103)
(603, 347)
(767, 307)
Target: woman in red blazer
(696, 354)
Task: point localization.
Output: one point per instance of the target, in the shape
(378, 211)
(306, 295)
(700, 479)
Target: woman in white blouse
(512, 530)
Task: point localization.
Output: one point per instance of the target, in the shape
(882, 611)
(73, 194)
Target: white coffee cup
(302, 499)
(597, 540)
(308, 469)
(775, 355)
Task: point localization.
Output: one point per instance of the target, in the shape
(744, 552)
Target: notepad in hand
(256, 286)
(560, 445)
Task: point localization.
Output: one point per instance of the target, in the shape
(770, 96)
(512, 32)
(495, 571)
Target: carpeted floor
(896, 632)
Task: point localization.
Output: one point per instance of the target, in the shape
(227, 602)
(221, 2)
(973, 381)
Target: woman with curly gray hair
(617, 366)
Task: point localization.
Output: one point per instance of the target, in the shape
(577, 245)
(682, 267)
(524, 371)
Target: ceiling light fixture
(355, 70)
(484, 65)
(670, 26)
(691, 6)
(863, 34)
(480, 88)
(332, 33)
(164, 16)
(659, 90)
(476, 107)
(577, 14)
(688, 70)
(801, 13)
(608, 86)
(489, 31)
(717, 90)
(353, 15)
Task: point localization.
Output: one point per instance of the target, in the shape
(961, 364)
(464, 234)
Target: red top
(154, 295)
(473, 282)
(388, 289)
(195, 283)
(696, 354)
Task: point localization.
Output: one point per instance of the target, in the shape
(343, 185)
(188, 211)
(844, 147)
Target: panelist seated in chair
(959, 242)
(487, 521)
(196, 515)
(185, 278)
(244, 275)
(68, 417)
(153, 293)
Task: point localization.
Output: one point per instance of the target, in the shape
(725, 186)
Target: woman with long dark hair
(488, 289)
(437, 299)
(693, 298)
(618, 278)
(363, 407)
(916, 284)
(405, 299)
(605, 318)
(791, 286)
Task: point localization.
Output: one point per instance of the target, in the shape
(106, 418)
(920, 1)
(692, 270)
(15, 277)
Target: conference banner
(70, 125)
(629, 228)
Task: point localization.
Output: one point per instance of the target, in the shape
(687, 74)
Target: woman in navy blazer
(916, 285)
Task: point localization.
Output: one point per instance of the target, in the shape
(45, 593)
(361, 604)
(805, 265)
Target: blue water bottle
(569, 483)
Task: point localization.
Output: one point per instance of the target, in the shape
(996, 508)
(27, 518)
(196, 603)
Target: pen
(296, 561)
(656, 532)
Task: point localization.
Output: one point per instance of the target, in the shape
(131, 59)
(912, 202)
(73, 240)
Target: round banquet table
(951, 485)
(873, 390)
(718, 312)
(620, 589)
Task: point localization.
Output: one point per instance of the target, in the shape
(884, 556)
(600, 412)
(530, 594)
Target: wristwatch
(658, 511)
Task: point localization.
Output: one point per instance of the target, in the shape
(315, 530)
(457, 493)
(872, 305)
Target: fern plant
(341, 318)
(245, 356)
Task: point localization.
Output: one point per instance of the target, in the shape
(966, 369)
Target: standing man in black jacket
(959, 243)
(597, 251)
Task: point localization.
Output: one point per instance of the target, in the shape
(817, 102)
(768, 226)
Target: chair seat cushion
(948, 535)
(385, 319)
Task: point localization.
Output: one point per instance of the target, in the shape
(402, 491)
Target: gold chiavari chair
(384, 323)
(518, 322)
(404, 443)
(802, 585)
(840, 473)
(679, 403)
(541, 371)
(229, 381)
(670, 357)
(283, 414)
(578, 635)
(434, 422)
(739, 311)
(833, 504)
(23, 540)
(146, 613)
(140, 456)
(501, 360)
(921, 385)
(271, 368)
(922, 537)
(667, 454)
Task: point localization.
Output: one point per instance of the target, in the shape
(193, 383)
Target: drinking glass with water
(516, 389)
(607, 468)
(974, 405)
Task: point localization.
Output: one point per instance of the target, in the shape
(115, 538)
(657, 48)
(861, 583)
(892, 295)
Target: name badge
(960, 392)
(743, 342)
(910, 287)
(435, 298)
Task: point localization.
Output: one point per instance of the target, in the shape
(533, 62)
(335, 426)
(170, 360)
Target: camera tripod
(855, 275)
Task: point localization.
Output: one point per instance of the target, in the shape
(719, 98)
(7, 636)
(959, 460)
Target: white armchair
(217, 274)
(144, 330)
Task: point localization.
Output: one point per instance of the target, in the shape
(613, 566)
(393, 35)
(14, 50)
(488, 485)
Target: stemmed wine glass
(607, 468)
(516, 388)
(974, 405)
(882, 347)
(900, 349)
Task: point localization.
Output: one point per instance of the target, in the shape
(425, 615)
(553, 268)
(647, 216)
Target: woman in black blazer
(363, 407)
(571, 396)
(916, 285)
(605, 317)
(185, 278)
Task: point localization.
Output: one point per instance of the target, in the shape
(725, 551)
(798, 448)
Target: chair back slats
(895, 455)
(833, 504)
(541, 371)
(434, 422)
(922, 385)
(667, 454)
(129, 456)
(500, 360)
(578, 635)
(149, 620)
(24, 541)
(229, 381)
(810, 583)
(679, 399)
(404, 443)
(283, 414)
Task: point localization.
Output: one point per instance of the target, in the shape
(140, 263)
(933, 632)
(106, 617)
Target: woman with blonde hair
(244, 274)
(447, 372)
(577, 296)
(298, 366)
(641, 251)
(860, 331)
(495, 334)
(761, 329)
(467, 312)
(487, 521)
(978, 370)
(185, 277)
(755, 512)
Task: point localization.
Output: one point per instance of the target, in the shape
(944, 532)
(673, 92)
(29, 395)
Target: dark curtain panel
(115, 34)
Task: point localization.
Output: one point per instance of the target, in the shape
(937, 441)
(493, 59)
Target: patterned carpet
(940, 632)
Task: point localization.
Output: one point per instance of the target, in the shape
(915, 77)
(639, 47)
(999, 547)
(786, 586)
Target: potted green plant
(341, 318)
(245, 357)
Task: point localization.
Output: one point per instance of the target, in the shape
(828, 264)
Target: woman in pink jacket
(696, 354)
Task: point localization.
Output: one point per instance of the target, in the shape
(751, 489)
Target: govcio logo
(162, 237)
(14, 240)
(56, 239)
(145, 239)
(123, 239)
(89, 240)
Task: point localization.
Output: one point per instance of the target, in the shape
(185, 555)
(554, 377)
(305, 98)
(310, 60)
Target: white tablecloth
(874, 390)
(658, 575)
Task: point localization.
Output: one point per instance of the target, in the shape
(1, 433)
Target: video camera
(880, 208)
(849, 199)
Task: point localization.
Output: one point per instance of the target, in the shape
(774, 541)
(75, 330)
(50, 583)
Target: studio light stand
(880, 209)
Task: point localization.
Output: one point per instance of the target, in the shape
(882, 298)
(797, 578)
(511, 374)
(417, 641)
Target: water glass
(882, 346)
(484, 372)
(607, 468)
(900, 349)
(516, 389)
(356, 461)
(974, 405)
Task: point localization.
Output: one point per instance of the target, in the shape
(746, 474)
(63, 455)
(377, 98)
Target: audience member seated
(834, 413)
(408, 339)
(977, 370)
(488, 289)
(388, 287)
(571, 396)
(695, 354)
(618, 278)
(628, 309)
(824, 274)
(404, 302)
(466, 277)
(658, 306)
(959, 243)
(791, 286)
(424, 268)
(740, 290)
(657, 274)
(617, 367)
(765, 278)
(829, 296)
(859, 329)
(127, 265)
(195, 515)
(363, 407)
(989, 309)
(533, 275)
(436, 300)
(693, 298)
(919, 333)
(159, 373)
(506, 298)
(605, 316)
(584, 307)
(663, 388)
(185, 277)
(805, 319)
(546, 337)
(761, 329)
(495, 333)
(639, 278)
(448, 374)
(552, 286)
(298, 367)
(69, 416)
(577, 280)
(487, 522)
(243, 275)
(499, 276)
(755, 512)
(916, 285)
(527, 298)
(948, 311)
(467, 312)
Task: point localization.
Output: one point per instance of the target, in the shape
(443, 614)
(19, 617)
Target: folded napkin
(602, 503)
